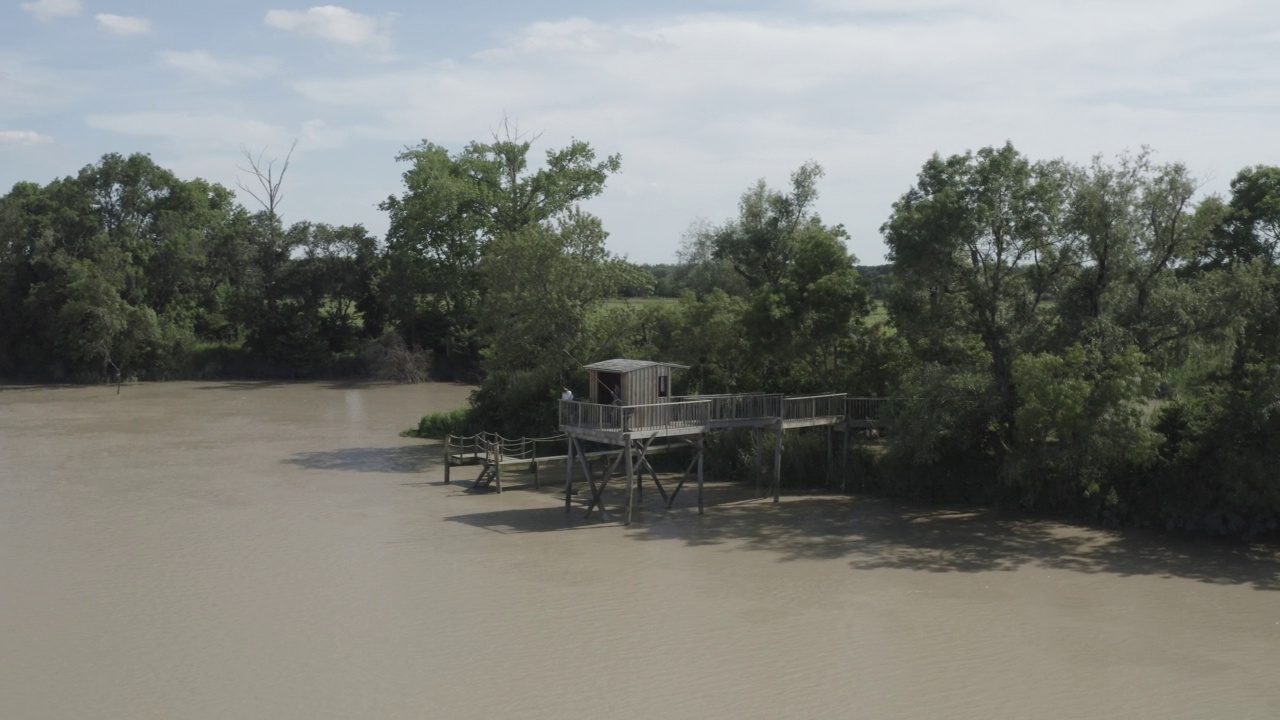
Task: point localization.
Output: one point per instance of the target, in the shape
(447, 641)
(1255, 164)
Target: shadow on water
(872, 533)
(532, 520)
(16, 386)
(336, 384)
(406, 459)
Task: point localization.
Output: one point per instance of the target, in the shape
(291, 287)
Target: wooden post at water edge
(448, 460)
(777, 464)
(844, 462)
(631, 477)
(568, 471)
(700, 447)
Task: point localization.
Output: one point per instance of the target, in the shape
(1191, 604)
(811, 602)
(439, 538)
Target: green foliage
(123, 270)
(452, 209)
(976, 244)
(1049, 307)
(453, 422)
(1219, 457)
(805, 300)
(541, 282)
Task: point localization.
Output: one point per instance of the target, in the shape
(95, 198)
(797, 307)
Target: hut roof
(620, 365)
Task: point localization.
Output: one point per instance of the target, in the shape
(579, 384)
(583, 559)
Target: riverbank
(259, 549)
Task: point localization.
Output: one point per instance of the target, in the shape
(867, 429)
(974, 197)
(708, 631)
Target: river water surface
(258, 550)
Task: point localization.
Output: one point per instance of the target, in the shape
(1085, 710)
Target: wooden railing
(590, 416)
(718, 410)
(634, 418)
(813, 406)
(496, 448)
(864, 410)
(728, 409)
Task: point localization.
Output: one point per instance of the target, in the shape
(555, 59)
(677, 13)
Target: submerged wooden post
(568, 472)
(631, 476)
(830, 430)
(777, 465)
(758, 436)
(844, 462)
(497, 464)
(640, 477)
(700, 448)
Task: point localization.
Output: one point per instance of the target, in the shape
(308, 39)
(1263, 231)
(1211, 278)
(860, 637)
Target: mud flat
(259, 550)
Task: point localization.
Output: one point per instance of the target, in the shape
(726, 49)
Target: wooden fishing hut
(631, 382)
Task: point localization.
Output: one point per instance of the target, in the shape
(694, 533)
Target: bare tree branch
(269, 182)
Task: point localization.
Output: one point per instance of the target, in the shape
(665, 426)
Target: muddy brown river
(260, 550)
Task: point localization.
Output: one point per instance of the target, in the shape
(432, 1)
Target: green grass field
(651, 300)
(879, 312)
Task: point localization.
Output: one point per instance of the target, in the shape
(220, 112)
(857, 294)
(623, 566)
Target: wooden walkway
(493, 452)
(697, 414)
(633, 428)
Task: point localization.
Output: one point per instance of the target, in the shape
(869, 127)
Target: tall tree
(978, 242)
(111, 263)
(804, 294)
(542, 282)
(450, 210)
(760, 243)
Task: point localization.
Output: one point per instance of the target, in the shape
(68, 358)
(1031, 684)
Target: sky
(701, 98)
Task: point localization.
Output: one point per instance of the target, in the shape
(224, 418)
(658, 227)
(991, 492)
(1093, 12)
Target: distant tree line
(1095, 340)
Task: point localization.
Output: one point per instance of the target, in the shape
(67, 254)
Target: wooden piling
(844, 462)
(568, 472)
(700, 448)
(631, 477)
(757, 435)
(497, 465)
(830, 430)
(777, 465)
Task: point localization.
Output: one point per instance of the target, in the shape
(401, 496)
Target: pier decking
(695, 414)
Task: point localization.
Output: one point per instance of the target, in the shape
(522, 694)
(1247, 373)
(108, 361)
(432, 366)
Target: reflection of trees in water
(408, 459)
(872, 534)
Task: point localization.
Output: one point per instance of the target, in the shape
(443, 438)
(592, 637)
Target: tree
(1251, 228)
(804, 294)
(760, 243)
(109, 267)
(452, 207)
(543, 281)
(268, 194)
(700, 269)
(978, 243)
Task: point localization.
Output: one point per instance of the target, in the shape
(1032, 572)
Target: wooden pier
(492, 452)
(629, 430)
(656, 422)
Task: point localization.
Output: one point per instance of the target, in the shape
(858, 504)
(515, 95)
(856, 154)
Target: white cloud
(9, 138)
(28, 89)
(123, 25)
(217, 131)
(335, 24)
(201, 64)
(190, 128)
(700, 106)
(50, 9)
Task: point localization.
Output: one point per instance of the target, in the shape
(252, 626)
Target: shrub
(389, 358)
(453, 422)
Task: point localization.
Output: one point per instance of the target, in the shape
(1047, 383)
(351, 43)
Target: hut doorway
(608, 387)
